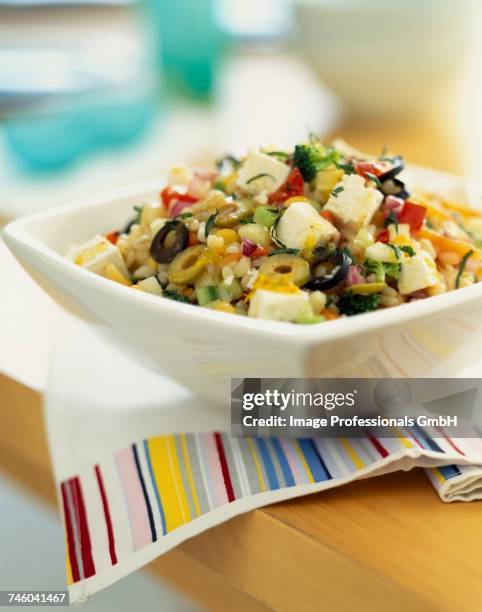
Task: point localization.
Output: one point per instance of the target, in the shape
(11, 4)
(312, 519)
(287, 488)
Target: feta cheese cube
(150, 285)
(278, 306)
(353, 204)
(418, 272)
(261, 172)
(381, 252)
(96, 254)
(301, 226)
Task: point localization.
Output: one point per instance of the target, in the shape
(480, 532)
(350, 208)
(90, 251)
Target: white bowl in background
(385, 58)
(204, 349)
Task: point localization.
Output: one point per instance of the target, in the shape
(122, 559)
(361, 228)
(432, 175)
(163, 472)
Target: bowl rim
(18, 239)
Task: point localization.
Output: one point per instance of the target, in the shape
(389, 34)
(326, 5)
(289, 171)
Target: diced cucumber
(265, 216)
(310, 319)
(230, 292)
(205, 295)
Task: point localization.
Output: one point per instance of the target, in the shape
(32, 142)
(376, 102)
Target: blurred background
(98, 93)
(95, 94)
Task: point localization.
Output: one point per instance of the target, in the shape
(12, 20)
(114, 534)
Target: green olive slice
(186, 266)
(233, 212)
(291, 266)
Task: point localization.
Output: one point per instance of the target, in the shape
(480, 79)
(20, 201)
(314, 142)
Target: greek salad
(305, 236)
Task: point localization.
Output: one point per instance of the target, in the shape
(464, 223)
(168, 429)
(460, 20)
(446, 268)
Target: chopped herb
(274, 233)
(284, 250)
(227, 160)
(337, 190)
(462, 265)
(183, 216)
(391, 220)
(174, 295)
(281, 155)
(477, 241)
(408, 250)
(210, 223)
(396, 249)
(349, 254)
(373, 178)
(249, 219)
(258, 176)
(430, 225)
(354, 303)
(347, 167)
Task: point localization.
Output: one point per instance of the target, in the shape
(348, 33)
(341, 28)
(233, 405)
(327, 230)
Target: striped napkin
(128, 496)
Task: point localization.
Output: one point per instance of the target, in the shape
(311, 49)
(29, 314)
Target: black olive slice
(395, 187)
(397, 167)
(341, 263)
(320, 254)
(169, 241)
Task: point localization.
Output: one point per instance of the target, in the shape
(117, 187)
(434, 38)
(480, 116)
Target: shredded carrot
(442, 243)
(329, 314)
(464, 211)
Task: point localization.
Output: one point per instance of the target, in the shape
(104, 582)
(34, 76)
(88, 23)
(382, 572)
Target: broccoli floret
(393, 270)
(311, 158)
(382, 269)
(376, 268)
(355, 303)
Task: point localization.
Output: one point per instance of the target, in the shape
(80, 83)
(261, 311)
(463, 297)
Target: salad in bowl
(304, 236)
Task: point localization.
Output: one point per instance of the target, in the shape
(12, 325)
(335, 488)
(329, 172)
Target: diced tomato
(259, 252)
(413, 214)
(383, 236)
(112, 237)
(376, 168)
(192, 239)
(168, 194)
(326, 214)
(293, 186)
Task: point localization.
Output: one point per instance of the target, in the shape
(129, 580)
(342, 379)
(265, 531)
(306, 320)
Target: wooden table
(386, 543)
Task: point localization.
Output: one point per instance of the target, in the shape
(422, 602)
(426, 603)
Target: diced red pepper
(112, 237)
(376, 168)
(293, 186)
(413, 214)
(259, 252)
(168, 194)
(383, 236)
(192, 239)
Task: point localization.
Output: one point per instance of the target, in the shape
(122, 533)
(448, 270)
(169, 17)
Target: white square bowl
(204, 349)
